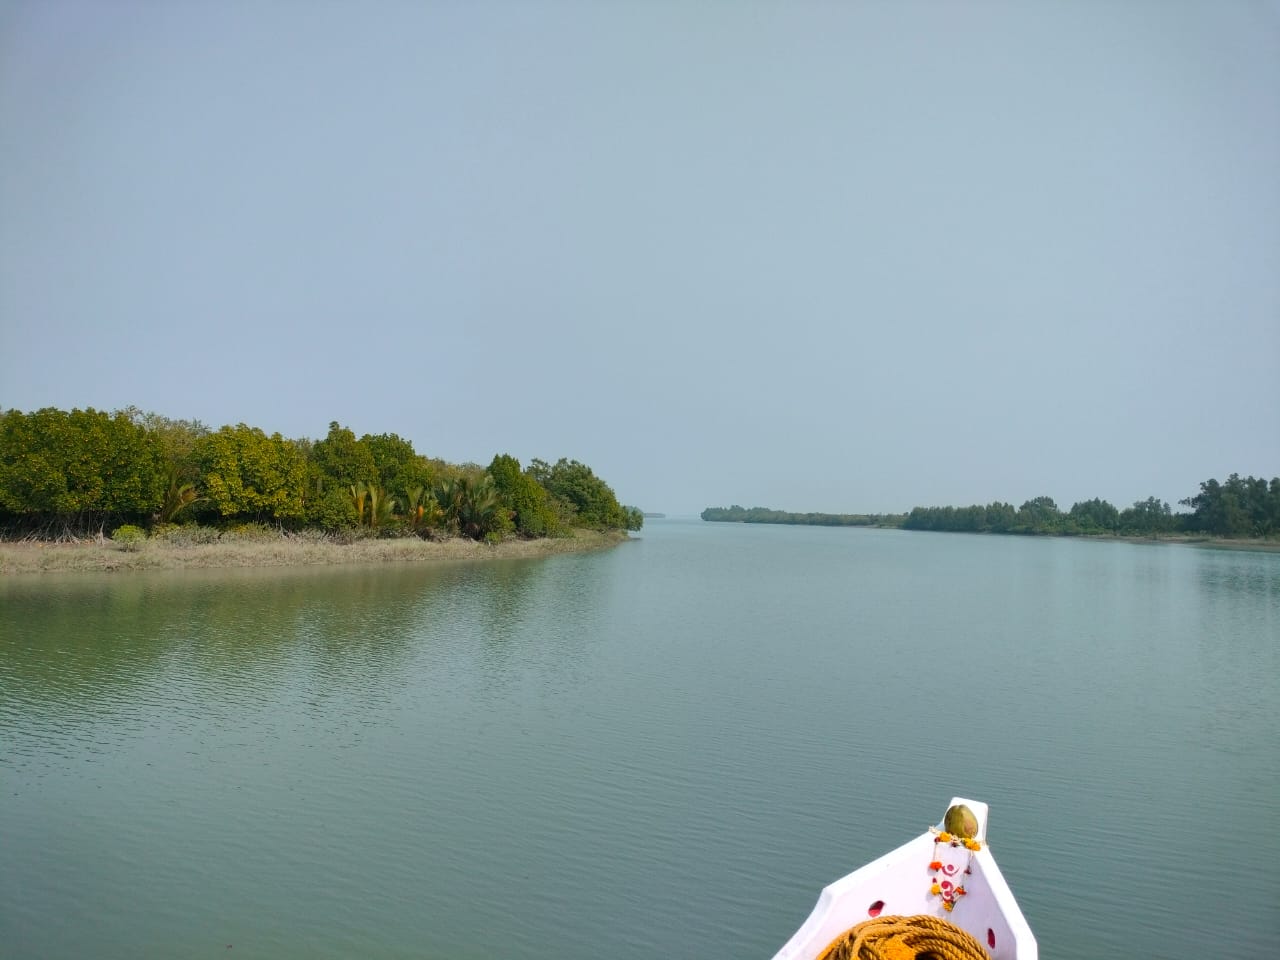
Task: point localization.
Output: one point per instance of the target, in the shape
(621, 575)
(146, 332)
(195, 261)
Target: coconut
(961, 822)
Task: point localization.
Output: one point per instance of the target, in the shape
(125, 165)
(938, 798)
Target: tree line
(71, 473)
(738, 514)
(1242, 507)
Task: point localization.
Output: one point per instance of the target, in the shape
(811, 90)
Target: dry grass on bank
(104, 555)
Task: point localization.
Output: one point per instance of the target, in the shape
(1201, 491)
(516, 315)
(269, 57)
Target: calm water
(661, 751)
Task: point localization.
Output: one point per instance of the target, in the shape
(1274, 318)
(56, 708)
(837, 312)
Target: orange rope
(904, 938)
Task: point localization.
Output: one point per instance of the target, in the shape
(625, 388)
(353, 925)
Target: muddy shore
(27, 557)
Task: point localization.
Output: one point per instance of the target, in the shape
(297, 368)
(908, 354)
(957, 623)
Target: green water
(663, 750)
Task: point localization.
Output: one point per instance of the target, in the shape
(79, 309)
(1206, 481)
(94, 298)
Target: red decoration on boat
(875, 908)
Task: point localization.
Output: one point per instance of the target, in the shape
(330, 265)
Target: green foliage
(737, 514)
(341, 459)
(1039, 516)
(1241, 507)
(525, 498)
(82, 469)
(176, 440)
(371, 505)
(1094, 516)
(396, 467)
(129, 537)
(382, 507)
(178, 495)
(634, 517)
(79, 468)
(359, 500)
(329, 509)
(995, 517)
(250, 475)
(471, 506)
(1147, 518)
(422, 511)
(592, 501)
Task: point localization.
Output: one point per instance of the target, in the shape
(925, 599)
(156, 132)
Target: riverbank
(1192, 540)
(27, 557)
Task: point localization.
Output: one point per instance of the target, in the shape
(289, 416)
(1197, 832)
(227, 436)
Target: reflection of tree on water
(539, 622)
(86, 645)
(1239, 573)
(319, 654)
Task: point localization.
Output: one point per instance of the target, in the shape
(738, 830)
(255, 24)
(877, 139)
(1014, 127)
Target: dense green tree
(739, 514)
(1147, 518)
(1001, 517)
(1094, 516)
(1241, 507)
(634, 518)
(80, 469)
(342, 460)
(250, 475)
(399, 468)
(593, 502)
(528, 500)
(176, 439)
(327, 507)
(1040, 515)
(84, 468)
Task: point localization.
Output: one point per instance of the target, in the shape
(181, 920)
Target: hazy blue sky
(814, 256)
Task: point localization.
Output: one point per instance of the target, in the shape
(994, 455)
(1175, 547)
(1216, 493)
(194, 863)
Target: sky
(844, 257)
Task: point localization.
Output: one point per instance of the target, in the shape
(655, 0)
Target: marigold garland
(943, 887)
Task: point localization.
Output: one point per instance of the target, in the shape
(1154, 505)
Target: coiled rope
(905, 938)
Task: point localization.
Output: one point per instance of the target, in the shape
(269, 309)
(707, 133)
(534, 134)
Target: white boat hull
(899, 884)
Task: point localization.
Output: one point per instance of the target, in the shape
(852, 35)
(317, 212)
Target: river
(663, 750)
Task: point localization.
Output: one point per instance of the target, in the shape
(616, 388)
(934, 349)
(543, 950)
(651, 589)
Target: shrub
(129, 537)
(331, 510)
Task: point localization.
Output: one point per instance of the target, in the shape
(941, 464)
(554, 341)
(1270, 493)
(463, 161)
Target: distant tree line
(1041, 516)
(1245, 507)
(737, 514)
(81, 471)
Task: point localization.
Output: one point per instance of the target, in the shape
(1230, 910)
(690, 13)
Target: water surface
(663, 750)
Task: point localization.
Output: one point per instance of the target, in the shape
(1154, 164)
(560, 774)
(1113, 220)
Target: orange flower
(949, 905)
(973, 844)
(935, 889)
(936, 865)
(944, 837)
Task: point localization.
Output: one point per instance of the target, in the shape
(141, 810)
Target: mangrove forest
(1239, 508)
(70, 474)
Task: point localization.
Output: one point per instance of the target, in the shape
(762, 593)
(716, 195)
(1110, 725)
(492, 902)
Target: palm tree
(359, 493)
(421, 509)
(469, 505)
(449, 498)
(381, 506)
(178, 496)
(479, 506)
